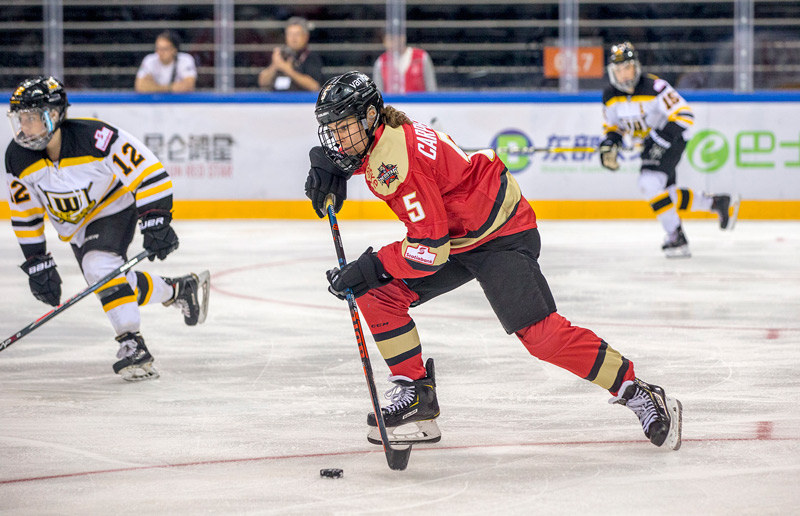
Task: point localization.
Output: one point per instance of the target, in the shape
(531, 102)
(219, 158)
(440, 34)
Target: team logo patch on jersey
(421, 254)
(102, 137)
(70, 206)
(387, 174)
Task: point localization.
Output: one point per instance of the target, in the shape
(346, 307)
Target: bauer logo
(708, 151)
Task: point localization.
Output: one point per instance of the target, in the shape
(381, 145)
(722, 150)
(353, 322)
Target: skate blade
(204, 282)
(733, 212)
(138, 373)
(675, 408)
(419, 432)
(678, 252)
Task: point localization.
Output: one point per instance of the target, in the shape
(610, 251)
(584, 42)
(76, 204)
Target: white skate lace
(643, 407)
(126, 349)
(400, 396)
(183, 305)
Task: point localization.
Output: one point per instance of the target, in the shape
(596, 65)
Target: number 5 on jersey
(414, 208)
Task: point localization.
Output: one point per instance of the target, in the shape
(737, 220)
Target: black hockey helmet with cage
(621, 54)
(351, 94)
(39, 95)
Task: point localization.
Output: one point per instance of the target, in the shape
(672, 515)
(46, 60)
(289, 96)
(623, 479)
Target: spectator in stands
(167, 69)
(415, 66)
(294, 67)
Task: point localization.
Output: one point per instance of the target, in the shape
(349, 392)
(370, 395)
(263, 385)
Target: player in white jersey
(93, 181)
(650, 111)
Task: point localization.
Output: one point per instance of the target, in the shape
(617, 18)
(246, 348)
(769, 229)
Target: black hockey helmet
(37, 97)
(621, 54)
(352, 94)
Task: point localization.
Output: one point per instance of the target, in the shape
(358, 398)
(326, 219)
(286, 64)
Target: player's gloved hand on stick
(652, 152)
(159, 237)
(43, 278)
(657, 142)
(360, 276)
(325, 178)
(609, 150)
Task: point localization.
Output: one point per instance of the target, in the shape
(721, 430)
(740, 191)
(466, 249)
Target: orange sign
(590, 62)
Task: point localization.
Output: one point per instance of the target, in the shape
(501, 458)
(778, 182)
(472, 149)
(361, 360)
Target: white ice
(252, 404)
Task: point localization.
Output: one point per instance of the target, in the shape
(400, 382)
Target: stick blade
(398, 457)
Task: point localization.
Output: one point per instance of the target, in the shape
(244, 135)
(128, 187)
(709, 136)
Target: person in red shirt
(415, 67)
(466, 219)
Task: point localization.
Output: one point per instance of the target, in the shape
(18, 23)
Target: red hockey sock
(386, 311)
(578, 350)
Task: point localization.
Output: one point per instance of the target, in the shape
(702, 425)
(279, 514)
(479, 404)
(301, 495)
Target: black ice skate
(675, 245)
(661, 417)
(137, 362)
(411, 417)
(727, 208)
(191, 296)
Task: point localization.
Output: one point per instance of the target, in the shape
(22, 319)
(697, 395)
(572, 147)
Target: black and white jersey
(652, 105)
(101, 171)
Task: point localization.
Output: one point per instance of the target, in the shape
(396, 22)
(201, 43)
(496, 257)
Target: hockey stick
(397, 458)
(514, 151)
(122, 269)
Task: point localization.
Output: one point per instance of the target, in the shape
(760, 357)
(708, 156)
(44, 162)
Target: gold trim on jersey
(98, 209)
(508, 204)
(77, 160)
(35, 167)
(634, 98)
(29, 233)
(27, 213)
(149, 170)
(675, 116)
(152, 191)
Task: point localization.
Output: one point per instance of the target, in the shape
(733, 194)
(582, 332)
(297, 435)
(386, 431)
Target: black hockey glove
(657, 142)
(609, 150)
(159, 237)
(360, 276)
(43, 278)
(325, 178)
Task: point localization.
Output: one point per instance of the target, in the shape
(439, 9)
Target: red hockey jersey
(450, 201)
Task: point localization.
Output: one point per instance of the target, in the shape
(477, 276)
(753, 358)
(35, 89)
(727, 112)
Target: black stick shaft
(125, 267)
(397, 458)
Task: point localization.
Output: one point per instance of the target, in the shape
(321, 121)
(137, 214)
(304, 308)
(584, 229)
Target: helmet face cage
(32, 119)
(34, 103)
(621, 55)
(351, 95)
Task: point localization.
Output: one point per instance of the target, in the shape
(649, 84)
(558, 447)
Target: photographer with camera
(293, 67)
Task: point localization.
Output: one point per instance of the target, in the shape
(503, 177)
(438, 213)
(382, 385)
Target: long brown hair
(394, 118)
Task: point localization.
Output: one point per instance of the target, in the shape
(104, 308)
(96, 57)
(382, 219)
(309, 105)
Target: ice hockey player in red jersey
(466, 219)
(650, 111)
(93, 181)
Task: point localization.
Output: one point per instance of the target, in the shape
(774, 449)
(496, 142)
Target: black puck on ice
(331, 473)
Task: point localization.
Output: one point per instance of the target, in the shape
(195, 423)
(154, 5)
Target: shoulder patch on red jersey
(387, 174)
(387, 164)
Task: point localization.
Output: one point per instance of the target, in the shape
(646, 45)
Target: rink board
(246, 156)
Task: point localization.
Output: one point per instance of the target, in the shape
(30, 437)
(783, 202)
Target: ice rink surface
(252, 404)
